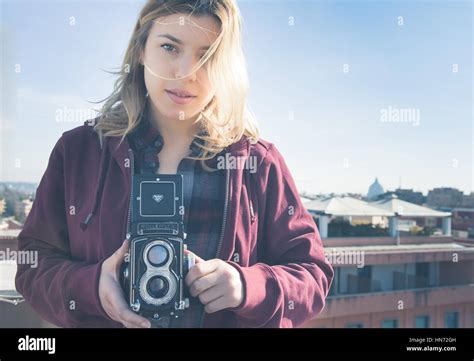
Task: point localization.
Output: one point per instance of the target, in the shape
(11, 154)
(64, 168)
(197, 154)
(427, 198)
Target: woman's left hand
(217, 284)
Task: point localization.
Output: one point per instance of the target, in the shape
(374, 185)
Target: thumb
(120, 253)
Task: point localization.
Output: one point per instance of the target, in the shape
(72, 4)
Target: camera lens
(157, 255)
(158, 287)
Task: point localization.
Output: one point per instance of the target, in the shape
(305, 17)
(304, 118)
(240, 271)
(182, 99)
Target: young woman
(178, 106)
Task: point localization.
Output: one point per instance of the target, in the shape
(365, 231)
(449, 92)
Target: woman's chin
(181, 114)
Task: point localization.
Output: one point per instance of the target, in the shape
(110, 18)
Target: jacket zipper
(225, 212)
(219, 246)
(132, 171)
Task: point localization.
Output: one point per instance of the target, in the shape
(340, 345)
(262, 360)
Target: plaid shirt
(203, 193)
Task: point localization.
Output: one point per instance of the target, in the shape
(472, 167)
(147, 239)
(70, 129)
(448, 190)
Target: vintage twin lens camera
(153, 277)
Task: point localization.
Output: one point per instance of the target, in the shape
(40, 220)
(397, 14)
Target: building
(403, 210)
(387, 211)
(3, 206)
(463, 220)
(395, 280)
(23, 208)
(14, 312)
(468, 201)
(10, 223)
(375, 190)
(423, 282)
(444, 197)
(409, 195)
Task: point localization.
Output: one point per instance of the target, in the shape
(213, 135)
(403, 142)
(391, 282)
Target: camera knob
(136, 306)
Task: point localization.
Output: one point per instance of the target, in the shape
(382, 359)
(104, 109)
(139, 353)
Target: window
(389, 323)
(422, 275)
(422, 321)
(355, 325)
(451, 320)
(364, 279)
(365, 272)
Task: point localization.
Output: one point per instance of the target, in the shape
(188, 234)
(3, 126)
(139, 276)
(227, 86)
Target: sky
(327, 80)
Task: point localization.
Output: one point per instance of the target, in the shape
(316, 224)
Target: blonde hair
(226, 118)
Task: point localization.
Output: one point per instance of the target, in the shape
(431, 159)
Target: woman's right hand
(111, 293)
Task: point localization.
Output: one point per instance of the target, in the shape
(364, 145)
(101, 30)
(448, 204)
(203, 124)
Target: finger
(120, 253)
(121, 310)
(216, 305)
(202, 284)
(197, 259)
(211, 294)
(119, 257)
(200, 270)
(129, 325)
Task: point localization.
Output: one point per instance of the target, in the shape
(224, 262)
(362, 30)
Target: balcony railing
(367, 287)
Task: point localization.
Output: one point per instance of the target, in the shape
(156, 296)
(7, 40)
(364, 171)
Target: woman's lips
(178, 99)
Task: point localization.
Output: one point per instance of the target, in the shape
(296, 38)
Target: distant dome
(375, 190)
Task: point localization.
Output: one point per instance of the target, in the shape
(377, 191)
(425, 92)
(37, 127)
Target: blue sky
(326, 122)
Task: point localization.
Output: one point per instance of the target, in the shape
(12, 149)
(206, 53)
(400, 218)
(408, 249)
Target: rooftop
(404, 208)
(388, 207)
(431, 247)
(345, 206)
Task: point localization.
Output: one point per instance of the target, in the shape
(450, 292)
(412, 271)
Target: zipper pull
(84, 224)
(252, 214)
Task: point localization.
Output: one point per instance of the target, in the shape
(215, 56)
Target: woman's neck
(179, 133)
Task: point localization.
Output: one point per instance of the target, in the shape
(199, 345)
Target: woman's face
(174, 46)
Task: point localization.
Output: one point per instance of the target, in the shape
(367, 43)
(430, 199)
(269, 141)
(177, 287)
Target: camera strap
(188, 182)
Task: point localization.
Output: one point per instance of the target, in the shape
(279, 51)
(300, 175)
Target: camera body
(153, 277)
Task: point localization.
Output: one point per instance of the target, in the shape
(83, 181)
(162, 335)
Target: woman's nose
(185, 67)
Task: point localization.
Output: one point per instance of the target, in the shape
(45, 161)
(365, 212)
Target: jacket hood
(112, 147)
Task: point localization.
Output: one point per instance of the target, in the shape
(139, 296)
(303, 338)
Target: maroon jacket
(281, 261)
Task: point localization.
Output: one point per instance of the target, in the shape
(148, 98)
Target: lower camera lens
(157, 255)
(158, 287)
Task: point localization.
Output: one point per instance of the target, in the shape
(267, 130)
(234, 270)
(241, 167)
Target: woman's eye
(168, 47)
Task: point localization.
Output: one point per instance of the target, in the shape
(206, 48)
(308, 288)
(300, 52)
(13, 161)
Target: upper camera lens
(158, 287)
(157, 255)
